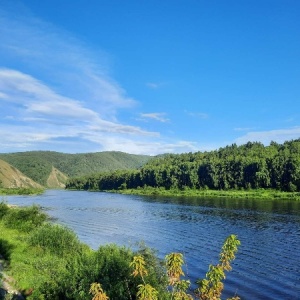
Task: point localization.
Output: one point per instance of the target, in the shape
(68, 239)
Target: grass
(234, 194)
(37, 252)
(48, 261)
(21, 191)
(24, 219)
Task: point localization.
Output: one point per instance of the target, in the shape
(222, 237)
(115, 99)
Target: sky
(148, 76)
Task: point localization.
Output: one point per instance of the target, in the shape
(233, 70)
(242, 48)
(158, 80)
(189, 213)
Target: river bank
(21, 191)
(268, 230)
(47, 261)
(233, 194)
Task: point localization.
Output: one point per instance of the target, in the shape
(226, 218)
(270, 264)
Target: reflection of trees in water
(259, 205)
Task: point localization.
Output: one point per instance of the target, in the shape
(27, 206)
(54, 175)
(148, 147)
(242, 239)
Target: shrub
(56, 239)
(25, 219)
(5, 249)
(113, 271)
(3, 209)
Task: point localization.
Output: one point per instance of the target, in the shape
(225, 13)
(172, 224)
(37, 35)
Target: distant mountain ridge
(52, 169)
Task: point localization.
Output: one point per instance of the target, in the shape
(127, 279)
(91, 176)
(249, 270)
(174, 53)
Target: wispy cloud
(155, 85)
(57, 94)
(289, 120)
(56, 57)
(64, 95)
(265, 137)
(154, 116)
(38, 102)
(152, 148)
(243, 129)
(199, 115)
(47, 120)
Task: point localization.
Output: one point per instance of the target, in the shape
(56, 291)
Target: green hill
(244, 167)
(38, 165)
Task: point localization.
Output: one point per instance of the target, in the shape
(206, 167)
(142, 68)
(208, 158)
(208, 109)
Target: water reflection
(270, 206)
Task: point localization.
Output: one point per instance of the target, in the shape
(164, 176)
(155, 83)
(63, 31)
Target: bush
(5, 249)
(3, 209)
(24, 219)
(56, 239)
(113, 271)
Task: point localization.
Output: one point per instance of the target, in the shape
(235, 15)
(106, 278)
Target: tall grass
(3, 209)
(24, 219)
(233, 194)
(49, 262)
(56, 239)
(21, 191)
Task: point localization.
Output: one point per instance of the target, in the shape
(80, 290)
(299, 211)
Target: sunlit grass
(49, 262)
(21, 191)
(234, 194)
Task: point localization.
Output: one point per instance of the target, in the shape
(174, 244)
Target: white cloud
(265, 137)
(199, 115)
(243, 129)
(61, 97)
(154, 116)
(61, 92)
(37, 98)
(149, 147)
(54, 56)
(154, 85)
(46, 115)
(2, 95)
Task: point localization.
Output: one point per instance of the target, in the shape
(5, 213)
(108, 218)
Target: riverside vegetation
(21, 191)
(47, 261)
(251, 170)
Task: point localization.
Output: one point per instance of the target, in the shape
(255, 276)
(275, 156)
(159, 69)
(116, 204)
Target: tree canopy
(249, 166)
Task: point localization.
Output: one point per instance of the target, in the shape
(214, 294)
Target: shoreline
(259, 194)
(21, 191)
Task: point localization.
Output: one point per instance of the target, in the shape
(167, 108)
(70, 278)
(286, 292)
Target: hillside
(245, 167)
(38, 165)
(10, 177)
(56, 179)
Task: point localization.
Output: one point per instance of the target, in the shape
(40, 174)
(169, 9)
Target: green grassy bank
(21, 191)
(47, 261)
(234, 194)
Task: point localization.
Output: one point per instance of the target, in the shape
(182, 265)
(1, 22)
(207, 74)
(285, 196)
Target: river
(267, 265)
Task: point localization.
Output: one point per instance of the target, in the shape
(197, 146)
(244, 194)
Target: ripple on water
(267, 265)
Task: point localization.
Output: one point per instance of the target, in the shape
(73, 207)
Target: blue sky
(148, 76)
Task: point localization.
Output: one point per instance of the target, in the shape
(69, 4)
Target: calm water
(267, 265)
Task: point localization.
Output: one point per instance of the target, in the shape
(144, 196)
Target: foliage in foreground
(49, 262)
(209, 288)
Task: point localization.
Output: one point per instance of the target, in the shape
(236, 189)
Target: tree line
(249, 166)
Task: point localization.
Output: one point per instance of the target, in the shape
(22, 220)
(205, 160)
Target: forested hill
(40, 165)
(249, 166)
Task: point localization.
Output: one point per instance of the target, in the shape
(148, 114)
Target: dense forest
(37, 165)
(249, 166)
